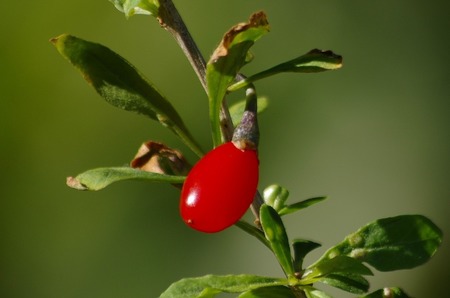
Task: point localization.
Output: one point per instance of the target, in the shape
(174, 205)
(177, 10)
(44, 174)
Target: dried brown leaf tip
(256, 20)
(158, 158)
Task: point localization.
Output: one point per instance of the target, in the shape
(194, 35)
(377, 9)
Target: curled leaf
(227, 59)
(158, 158)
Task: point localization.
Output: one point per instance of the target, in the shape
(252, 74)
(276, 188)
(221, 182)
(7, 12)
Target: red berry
(220, 188)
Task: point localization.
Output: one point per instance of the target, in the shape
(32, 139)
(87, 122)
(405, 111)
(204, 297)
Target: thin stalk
(172, 21)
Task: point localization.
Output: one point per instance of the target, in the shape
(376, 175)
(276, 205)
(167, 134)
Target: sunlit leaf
(100, 178)
(132, 7)
(394, 243)
(213, 284)
(227, 59)
(276, 234)
(313, 61)
(121, 84)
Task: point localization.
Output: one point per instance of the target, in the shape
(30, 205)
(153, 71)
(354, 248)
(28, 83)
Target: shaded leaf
(300, 205)
(301, 248)
(214, 284)
(227, 59)
(276, 234)
(272, 292)
(237, 109)
(132, 7)
(387, 293)
(100, 178)
(393, 243)
(120, 84)
(353, 283)
(313, 61)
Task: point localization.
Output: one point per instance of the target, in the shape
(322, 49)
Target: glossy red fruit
(219, 188)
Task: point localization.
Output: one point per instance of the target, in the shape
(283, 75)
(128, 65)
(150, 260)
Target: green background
(373, 136)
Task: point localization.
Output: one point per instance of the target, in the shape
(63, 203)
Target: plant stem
(171, 20)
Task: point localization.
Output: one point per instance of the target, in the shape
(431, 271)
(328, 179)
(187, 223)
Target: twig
(171, 20)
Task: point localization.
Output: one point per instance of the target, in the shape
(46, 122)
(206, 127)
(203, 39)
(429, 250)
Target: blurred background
(374, 137)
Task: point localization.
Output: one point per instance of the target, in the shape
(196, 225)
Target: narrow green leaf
(393, 243)
(300, 205)
(213, 284)
(237, 109)
(254, 231)
(226, 62)
(301, 248)
(132, 7)
(313, 61)
(276, 234)
(387, 293)
(100, 178)
(338, 264)
(120, 84)
(352, 283)
(272, 292)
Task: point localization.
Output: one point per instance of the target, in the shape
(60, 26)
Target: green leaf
(387, 293)
(301, 248)
(226, 62)
(393, 243)
(100, 178)
(338, 264)
(353, 283)
(312, 292)
(300, 205)
(132, 7)
(313, 61)
(254, 231)
(272, 292)
(237, 109)
(276, 234)
(121, 85)
(214, 284)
